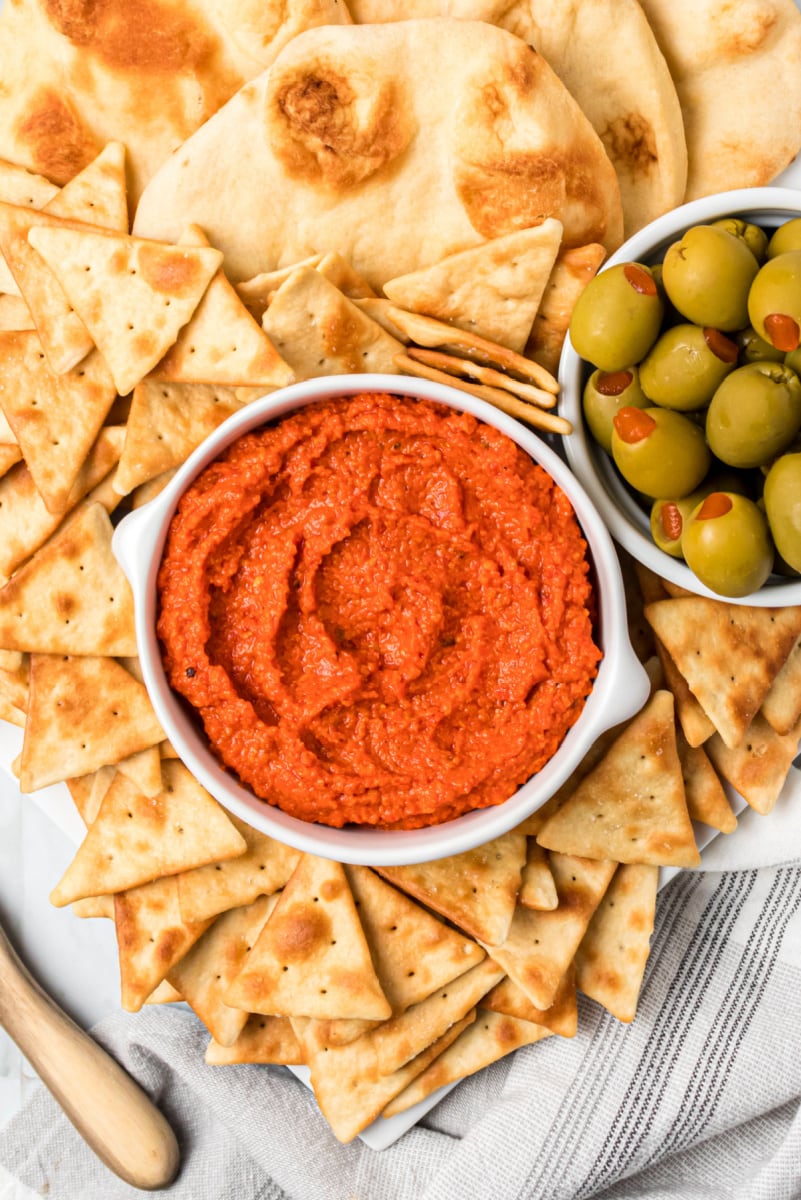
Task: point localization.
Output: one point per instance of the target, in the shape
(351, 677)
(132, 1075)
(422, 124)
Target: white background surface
(75, 960)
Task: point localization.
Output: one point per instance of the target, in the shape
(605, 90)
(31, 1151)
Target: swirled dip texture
(380, 608)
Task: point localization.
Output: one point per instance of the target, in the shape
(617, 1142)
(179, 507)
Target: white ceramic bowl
(626, 520)
(620, 688)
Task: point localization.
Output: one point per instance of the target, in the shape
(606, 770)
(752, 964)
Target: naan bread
(607, 57)
(737, 69)
(393, 144)
(79, 73)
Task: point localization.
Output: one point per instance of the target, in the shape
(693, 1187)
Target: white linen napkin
(699, 1098)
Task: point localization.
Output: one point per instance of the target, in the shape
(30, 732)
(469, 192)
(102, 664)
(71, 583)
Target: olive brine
(696, 395)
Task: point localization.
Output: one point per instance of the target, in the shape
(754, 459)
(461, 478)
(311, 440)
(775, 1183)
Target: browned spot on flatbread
(168, 271)
(300, 931)
(744, 29)
(59, 143)
(631, 144)
(140, 35)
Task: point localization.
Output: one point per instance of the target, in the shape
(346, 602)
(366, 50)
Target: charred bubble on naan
(79, 73)
(737, 69)
(606, 55)
(394, 144)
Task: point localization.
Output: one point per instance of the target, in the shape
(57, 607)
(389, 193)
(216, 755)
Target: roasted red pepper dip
(381, 609)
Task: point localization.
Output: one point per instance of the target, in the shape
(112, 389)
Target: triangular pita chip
(611, 959)
(493, 289)
(167, 422)
(222, 343)
(14, 312)
(143, 768)
(263, 1040)
(537, 888)
(132, 294)
(21, 187)
(65, 338)
(631, 807)
(314, 1034)
(695, 724)
(71, 597)
(318, 331)
(163, 993)
(202, 976)
(257, 293)
(562, 1016)
(265, 866)
(705, 795)
(25, 521)
(574, 268)
(414, 952)
(729, 654)
(490, 1037)
(541, 945)
(9, 457)
(56, 418)
(151, 937)
(476, 890)
(312, 958)
(11, 713)
(87, 792)
(92, 907)
(781, 707)
(337, 270)
(83, 713)
(135, 839)
(758, 766)
(350, 1088)
(402, 1038)
(98, 193)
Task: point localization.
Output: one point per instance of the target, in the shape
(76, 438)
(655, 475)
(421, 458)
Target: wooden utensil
(110, 1111)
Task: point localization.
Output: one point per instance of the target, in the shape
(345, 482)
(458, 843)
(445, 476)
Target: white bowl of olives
(681, 376)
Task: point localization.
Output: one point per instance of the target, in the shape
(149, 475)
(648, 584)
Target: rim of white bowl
(619, 690)
(626, 520)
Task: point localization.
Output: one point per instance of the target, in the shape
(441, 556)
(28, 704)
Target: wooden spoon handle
(107, 1107)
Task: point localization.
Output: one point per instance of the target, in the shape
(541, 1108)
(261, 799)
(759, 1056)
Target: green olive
(754, 414)
(685, 366)
(604, 394)
(774, 302)
(754, 348)
(783, 507)
(793, 361)
(668, 517)
(659, 452)
(726, 544)
(616, 318)
(755, 238)
(786, 237)
(707, 275)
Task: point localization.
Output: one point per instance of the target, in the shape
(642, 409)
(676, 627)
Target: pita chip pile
(205, 235)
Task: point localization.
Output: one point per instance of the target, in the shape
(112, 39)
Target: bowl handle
(628, 688)
(134, 541)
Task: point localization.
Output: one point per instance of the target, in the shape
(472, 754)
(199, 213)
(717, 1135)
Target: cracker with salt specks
(414, 952)
(83, 713)
(610, 962)
(490, 1037)
(493, 290)
(781, 707)
(541, 945)
(319, 331)
(537, 888)
(477, 890)
(562, 1016)
(65, 338)
(132, 294)
(135, 839)
(729, 654)
(166, 423)
(222, 343)
(758, 766)
(25, 520)
(71, 597)
(705, 794)
(98, 194)
(402, 1038)
(350, 1088)
(312, 958)
(55, 418)
(151, 937)
(263, 1040)
(574, 268)
(632, 806)
(143, 768)
(264, 868)
(204, 973)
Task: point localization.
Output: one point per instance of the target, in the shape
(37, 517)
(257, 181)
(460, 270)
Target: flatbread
(456, 119)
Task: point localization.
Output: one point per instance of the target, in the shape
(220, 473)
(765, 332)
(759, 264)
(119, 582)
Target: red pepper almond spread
(381, 609)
